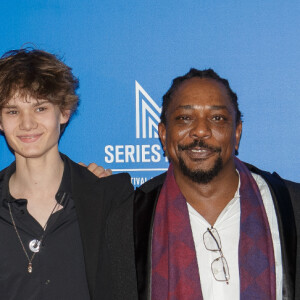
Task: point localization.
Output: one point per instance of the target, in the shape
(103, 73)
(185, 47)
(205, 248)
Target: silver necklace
(35, 244)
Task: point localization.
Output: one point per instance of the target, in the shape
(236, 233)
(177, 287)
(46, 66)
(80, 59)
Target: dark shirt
(58, 268)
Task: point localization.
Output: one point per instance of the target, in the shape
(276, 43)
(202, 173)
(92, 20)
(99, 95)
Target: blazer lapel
(144, 209)
(287, 229)
(90, 225)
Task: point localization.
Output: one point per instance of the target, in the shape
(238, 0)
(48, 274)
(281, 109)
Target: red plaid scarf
(175, 274)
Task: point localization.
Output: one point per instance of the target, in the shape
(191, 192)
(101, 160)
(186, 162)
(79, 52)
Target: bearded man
(213, 227)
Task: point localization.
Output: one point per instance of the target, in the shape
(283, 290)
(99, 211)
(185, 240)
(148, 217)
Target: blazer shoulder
(117, 185)
(2, 178)
(85, 182)
(294, 186)
(2, 173)
(6, 171)
(294, 190)
(12, 166)
(153, 183)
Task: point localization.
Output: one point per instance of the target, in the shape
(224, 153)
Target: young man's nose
(27, 122)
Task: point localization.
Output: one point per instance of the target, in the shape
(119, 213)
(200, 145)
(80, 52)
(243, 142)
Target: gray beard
(200, 176)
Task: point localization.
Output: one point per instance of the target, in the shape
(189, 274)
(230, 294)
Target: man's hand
(97, 170)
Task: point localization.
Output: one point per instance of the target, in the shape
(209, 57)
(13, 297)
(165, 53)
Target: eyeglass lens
(220, 269)
(212, 240)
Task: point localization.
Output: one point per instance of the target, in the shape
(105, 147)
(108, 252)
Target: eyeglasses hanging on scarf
(219, 266)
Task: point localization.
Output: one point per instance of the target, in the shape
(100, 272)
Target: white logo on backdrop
(147, 117)
(150, 112)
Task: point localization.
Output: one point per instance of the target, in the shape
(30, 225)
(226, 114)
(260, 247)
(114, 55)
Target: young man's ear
(65, 116)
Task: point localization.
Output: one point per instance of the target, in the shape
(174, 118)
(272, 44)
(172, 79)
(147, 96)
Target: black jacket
(104, 209)
(286, 197)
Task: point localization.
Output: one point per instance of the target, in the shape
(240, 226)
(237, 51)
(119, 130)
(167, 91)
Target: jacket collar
(286, 226)
(145, 202)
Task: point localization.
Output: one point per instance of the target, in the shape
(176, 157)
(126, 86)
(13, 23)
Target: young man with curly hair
(61, 227)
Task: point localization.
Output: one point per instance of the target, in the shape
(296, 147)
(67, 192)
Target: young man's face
(32, 127)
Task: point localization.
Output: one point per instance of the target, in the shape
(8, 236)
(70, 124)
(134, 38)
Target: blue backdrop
(125, 54)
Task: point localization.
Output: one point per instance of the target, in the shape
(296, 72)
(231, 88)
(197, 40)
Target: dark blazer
(104, 208)
(286, 197)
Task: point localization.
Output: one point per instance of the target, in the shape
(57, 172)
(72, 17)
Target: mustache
(200, 144)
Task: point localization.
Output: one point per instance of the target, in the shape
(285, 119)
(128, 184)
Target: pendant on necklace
(34, 245)
(29, 268)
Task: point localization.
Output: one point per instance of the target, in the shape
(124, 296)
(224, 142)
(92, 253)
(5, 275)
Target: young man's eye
(41, 109)
(12, 112)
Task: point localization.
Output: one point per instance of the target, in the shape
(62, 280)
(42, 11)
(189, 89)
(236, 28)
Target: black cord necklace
(35, 244)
